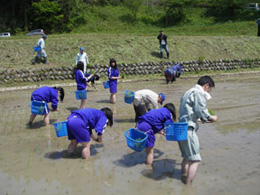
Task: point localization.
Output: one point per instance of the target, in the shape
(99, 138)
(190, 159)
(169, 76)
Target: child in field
(172, 73)
(153, 122)
(193, 107)
(82, 81)
(47, 94)
(80, 124)
(143, 99)
(113, 75)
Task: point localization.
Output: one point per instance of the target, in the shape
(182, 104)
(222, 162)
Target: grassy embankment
(109, 34)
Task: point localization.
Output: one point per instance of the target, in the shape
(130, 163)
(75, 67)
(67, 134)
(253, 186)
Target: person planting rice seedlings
(152, 123)
(80, 124)
(113, 76)
(143, 99)
(47, 94)
(82, 81)
(172, 73)
(193, 107)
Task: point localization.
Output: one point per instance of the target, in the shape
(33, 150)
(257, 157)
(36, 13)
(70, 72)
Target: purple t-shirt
(47, 94)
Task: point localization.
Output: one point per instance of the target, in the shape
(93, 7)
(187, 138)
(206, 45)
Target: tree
(133, 6)
(46, 15)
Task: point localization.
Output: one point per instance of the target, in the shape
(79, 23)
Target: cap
(163, 97)
(44, 36)
(81, 48)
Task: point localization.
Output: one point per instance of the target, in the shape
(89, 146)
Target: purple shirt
(47, 94)
(81, 80)
(94, 119)
(111, 72)
(156, 118)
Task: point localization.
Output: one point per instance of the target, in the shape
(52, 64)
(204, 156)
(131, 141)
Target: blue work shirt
(47, 94)
(111, 72)
(173, 69)
(156, 118)
(94, 119)
(80, 80)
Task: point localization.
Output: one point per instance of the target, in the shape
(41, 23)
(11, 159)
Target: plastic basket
(135, 139)
(106, 84)
(38, 107)
(61, 128)
(81, 94)
(37, 48)
(129, 96)
(176, 131)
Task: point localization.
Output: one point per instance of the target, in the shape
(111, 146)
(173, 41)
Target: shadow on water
(162, 169)
(71, 109)
(40, 124)
(125, 120)
(135, 158)
(77, 153)
(103, 101)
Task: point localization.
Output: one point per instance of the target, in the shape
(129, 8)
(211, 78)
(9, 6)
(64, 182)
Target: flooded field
(34, 161)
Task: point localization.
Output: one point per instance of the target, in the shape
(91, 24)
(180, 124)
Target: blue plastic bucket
(37, 48)
(38, 107)
(176, 131)
(81, 94)
(129, 96)
(61, 128)
(136, 139)
(106, 84)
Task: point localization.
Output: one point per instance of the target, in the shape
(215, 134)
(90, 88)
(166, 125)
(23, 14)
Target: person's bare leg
(32, 117)
(193, 168)
(184, 170)
(83, 103)
(149, 158)
(72, 146)
(47, 119)
(86, 150)
(113, 98)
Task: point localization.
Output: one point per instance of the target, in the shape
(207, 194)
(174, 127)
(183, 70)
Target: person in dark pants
(163, 43)
(258, 24)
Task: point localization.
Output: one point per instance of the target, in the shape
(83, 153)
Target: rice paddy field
(35, 161)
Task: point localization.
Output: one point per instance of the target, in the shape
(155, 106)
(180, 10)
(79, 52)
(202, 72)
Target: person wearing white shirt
(143, 99)
(41, 52)
(83, 57)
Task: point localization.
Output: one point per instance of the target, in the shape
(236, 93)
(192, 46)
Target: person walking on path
(113, 76)
(163, 44)
(80, 124)
(153, 123)
(41, 52)
(143, 99)
(47, 94)
(193, 109)
(83, 57)
(258, 24)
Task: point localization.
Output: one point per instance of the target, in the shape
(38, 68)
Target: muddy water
(34, 161)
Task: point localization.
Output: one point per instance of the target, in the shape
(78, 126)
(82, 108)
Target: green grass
(16, 52)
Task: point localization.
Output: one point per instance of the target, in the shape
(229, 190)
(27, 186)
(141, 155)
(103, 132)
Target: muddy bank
(34, 161)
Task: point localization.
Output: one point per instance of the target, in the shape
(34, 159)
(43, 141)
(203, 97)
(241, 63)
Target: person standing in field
(41, 52)
(163, 44)
(258, 24)
(82, 57)
(113, 76)
(142, 100)
(192, 109)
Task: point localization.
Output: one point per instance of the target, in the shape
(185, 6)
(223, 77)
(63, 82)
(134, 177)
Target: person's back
(146, 96)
